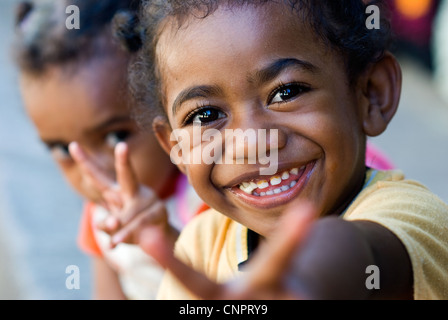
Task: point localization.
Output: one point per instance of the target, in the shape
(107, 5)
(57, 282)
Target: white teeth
(276, 180)
(248, 187)
(262, 184)
(276, 190)
(245, 184)
(294, 171)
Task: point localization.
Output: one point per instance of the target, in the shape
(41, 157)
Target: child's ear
(381, 87)
(163, 131)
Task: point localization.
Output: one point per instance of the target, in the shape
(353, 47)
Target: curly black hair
(339, 24)
(43, 40)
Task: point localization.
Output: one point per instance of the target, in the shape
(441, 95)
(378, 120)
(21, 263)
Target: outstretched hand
(133, 207)
(265, 274)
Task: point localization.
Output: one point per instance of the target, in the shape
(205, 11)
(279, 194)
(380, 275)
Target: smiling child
(312, 71)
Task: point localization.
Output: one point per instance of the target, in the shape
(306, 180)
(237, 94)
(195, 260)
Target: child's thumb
(284, 243)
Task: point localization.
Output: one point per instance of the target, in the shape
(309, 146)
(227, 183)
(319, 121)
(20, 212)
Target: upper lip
(255, 175)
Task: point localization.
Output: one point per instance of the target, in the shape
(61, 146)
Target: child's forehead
(239, 26)
(268, 31)
(77, 87)
(230, 55)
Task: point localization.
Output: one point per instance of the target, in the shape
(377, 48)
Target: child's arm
(306, 259)
(333, 262)
(106, 285)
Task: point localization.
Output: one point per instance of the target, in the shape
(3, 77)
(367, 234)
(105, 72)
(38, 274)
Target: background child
(74, 88)
(311, 70)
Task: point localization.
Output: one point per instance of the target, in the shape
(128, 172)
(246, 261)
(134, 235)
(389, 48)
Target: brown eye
(288, 92)
(205, 116)
(115, 137)
(60, 152)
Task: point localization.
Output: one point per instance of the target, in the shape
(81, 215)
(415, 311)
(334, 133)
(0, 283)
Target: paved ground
(39, 214)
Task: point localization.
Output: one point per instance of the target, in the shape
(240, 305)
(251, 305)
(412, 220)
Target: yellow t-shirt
(217, 245)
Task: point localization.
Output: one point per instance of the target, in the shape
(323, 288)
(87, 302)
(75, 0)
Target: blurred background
(39, 213)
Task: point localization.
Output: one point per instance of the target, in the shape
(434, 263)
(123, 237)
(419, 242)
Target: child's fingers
(266, 270)
(126, 177)
(274, 260)
(109, 225)
(113, 199)
(154, 244)
(89, 168)
(146, 201)
(153, 215)
(265, 273)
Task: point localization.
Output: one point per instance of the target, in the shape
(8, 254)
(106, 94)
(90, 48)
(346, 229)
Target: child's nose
(253, 137)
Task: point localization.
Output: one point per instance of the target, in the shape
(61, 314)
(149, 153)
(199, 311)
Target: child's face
(260, 68)
(90, 107)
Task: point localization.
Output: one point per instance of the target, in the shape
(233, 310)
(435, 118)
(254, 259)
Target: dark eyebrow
(193, 93)
(262, 76)
(109, 122)
(275, 68)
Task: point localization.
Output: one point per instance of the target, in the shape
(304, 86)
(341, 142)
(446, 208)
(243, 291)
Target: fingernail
(75, 150)
(121, 147)
(73, 146)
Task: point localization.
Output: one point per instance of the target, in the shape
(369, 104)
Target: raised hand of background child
(133, 206)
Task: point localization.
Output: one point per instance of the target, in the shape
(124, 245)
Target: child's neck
(358, 186)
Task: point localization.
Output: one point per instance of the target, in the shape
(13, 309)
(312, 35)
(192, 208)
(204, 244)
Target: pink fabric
(184, 210)
(182, 205)
(376, 159)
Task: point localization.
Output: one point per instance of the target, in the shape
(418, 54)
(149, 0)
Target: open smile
(275, 190)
